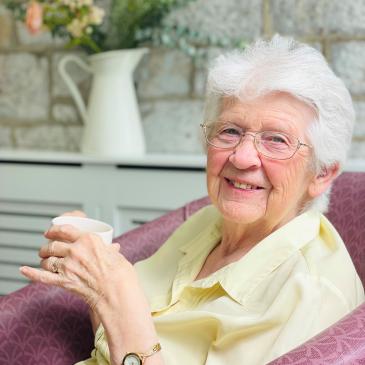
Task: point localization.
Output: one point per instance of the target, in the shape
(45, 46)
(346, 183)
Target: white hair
(285, 65)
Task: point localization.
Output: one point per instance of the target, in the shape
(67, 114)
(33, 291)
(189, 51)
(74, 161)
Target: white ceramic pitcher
(112, 120)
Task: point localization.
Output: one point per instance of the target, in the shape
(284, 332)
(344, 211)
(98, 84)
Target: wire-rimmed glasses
(272, 144)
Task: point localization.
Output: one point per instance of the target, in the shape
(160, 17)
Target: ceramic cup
(104, 230)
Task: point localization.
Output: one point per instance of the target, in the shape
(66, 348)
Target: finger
(65, 233)
(40, 276)
(75, 213)
(52, 264)
(54, 248)
(46, 277)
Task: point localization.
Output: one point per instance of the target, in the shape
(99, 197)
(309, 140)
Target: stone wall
(37, 111)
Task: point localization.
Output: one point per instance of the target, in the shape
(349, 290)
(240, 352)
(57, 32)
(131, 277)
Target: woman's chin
(239, 213)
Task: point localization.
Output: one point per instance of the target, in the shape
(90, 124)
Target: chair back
(347, 213)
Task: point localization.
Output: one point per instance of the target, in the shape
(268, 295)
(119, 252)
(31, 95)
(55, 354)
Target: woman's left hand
(106, 280)
(82, 263)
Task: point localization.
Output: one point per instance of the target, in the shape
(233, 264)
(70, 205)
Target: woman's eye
(276, 138)
(230, 131)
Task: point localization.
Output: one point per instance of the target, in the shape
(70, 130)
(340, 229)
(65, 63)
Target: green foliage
(130, 24)
(18, 7)
(191, 42)
(129, 17)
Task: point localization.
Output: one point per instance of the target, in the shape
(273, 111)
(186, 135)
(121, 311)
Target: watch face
(132, 359)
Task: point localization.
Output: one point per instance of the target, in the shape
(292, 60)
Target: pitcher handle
(71, 84)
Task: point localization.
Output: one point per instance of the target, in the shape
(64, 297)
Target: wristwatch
(137, 358)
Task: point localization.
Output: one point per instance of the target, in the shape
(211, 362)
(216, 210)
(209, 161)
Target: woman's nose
(245, 155)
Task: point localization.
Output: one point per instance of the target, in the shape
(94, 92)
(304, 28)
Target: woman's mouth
(242, 185)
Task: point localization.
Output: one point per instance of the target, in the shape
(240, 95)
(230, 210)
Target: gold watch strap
(155, 348)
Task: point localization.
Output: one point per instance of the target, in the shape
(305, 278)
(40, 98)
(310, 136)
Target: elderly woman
(260, 270)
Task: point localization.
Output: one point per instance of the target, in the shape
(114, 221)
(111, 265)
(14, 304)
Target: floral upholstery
(41, 325)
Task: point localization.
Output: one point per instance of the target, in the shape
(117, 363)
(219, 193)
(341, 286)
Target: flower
(79, 21)
(34, 17)
(96, 15)
(76, 28)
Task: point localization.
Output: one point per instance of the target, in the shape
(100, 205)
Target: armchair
(41, 325)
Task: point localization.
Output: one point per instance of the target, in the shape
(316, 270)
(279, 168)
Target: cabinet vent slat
(19, 256)
(17, 238)
(35, 208)
(11, 272)
(8, 286)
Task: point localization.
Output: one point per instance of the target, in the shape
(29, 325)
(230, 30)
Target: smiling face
(249, 188)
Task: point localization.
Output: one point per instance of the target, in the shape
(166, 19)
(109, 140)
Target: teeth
(243, 186)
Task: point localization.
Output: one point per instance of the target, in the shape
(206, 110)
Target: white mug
(103, 230)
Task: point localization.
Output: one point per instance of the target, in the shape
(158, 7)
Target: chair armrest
(44, 325)
(342, 343)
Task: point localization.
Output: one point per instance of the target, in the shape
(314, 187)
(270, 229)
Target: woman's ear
(323, 180)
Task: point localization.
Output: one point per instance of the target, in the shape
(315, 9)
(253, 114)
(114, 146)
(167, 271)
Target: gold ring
(55, 265)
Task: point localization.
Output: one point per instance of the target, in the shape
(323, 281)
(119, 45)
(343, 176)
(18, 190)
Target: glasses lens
(276, 145)
(223, 135)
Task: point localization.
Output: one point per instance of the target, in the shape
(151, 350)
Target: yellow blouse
(290, 286)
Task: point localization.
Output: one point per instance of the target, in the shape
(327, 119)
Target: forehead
(273, 111)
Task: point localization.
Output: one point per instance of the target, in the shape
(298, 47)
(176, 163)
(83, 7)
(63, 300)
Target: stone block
(24, 86)
(302, 18)
(229, 19)
(201, 69)
(357, 151)
(347, 60)
(73, 137)
(7, 33)
(49, 137)
(42, 38)
(164, 73)
(79, 75)
(5, 137)
(359, 129)
(173, 126)
(200, 81)
(65, 113)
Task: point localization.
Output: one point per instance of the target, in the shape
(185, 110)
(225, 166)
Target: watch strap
(142, 356)
(155, 348)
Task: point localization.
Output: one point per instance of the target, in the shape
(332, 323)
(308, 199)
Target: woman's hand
(82, 263)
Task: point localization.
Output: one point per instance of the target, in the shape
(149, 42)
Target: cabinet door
(31, 194)
(143, 194)
(129, 218)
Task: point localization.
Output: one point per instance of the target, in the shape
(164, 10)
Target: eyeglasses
(272, 144)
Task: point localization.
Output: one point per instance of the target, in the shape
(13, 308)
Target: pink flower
(34, 17)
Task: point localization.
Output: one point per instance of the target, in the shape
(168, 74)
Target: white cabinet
(34, 188)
